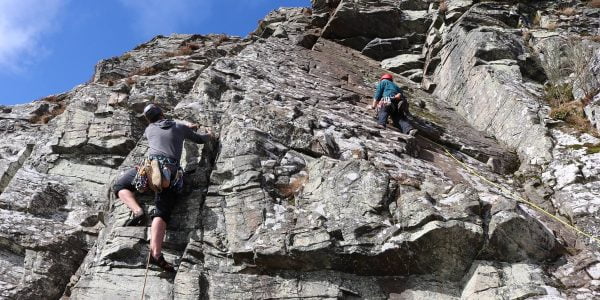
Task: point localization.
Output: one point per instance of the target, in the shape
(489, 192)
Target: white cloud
(23, 23)
(154, 17)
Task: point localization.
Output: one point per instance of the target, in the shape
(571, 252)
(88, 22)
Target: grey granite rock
(377, 19)
(592, 111)
(384, 48)
(578, 275)
(36, 253)
(487, 280)
(298, 195)
(481, 68)
(404, 62)
(518, 236)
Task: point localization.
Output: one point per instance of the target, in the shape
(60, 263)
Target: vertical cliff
(299, 196)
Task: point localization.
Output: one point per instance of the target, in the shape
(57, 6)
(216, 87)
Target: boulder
(518, 236)
(579, 275)
(384, 48)
(488, 280)
(402, 63)
(377, 19)
(38, 255)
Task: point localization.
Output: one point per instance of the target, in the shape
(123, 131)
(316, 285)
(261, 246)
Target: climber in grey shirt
(165, 139)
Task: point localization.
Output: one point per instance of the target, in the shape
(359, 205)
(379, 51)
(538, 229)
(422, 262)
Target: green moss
(522, 178)
(589, 148)
(593, 149)
(291, 201)
(575, 147)
(557, 94)
(425, 114)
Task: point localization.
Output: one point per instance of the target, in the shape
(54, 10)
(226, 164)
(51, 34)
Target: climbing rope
(146, 274)
(523, 200)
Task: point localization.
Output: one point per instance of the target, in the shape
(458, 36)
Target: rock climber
(390, 102)
(165, 141)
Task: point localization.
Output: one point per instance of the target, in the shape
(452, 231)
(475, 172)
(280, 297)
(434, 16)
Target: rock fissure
(9, 169)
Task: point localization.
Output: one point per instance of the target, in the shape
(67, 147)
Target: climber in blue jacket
(390, 102)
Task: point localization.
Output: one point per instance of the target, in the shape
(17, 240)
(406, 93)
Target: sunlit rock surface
(299, 195)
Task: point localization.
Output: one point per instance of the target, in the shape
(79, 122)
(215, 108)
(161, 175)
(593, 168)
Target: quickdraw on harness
(158, 172)
(389, 103)
(385, 102)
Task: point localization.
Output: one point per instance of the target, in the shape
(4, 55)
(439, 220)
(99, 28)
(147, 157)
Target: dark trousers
(398, 112)
(164, 201)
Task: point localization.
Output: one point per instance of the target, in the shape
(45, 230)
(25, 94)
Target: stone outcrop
(477, 64)
(299, 195)
(505, 281)
(381, 29)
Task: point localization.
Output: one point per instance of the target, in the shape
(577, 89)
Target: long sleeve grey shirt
(165, 137)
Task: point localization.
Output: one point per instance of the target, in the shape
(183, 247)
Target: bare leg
(157, 235)
(128, 198)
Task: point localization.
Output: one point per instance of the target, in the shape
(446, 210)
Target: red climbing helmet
(387, 76)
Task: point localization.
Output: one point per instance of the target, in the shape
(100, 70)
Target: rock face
(476, 65)
(504, 281)
(298, 195)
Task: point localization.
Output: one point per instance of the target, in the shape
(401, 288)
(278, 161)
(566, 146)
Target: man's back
(165, 137)
(386, 88)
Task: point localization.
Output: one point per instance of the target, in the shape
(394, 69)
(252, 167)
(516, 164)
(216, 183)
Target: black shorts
(164, 201)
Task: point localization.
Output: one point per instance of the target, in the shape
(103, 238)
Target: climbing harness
(140, 181)
(155, 173)
(521, 199)
(385, 102)
(167, 167)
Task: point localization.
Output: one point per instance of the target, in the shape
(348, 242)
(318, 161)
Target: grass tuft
(184, 49)
(567, 109)
(56, 110)
(558, 94)
(290, 190)
(567, 11)
(443, 8)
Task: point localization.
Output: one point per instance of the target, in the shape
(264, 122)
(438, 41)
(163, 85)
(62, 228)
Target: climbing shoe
(162, 263)
(379, 126)
(413, 132)
(135, 220)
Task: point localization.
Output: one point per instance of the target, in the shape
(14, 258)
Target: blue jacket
(386, 88)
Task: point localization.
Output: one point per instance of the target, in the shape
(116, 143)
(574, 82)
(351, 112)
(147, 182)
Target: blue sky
(50, 46)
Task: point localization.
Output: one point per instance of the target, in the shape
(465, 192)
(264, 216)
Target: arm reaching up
(191, 125)
(191, 135)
